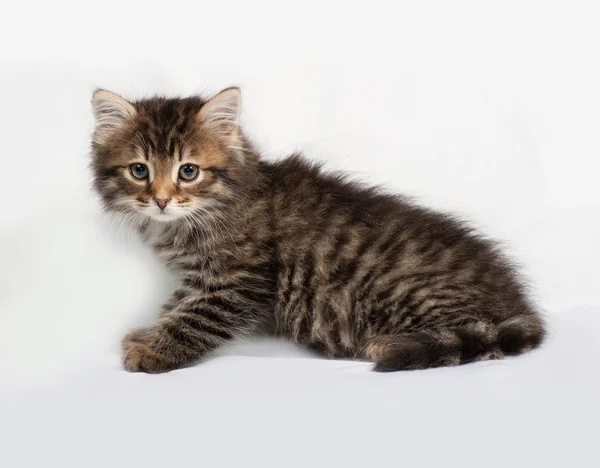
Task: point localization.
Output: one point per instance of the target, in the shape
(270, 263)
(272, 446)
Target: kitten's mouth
(165, 215)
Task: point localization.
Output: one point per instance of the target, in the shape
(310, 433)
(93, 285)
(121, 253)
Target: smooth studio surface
(268, 405)
(490, 112)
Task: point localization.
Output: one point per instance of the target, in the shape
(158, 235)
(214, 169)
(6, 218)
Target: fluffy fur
(283, 248)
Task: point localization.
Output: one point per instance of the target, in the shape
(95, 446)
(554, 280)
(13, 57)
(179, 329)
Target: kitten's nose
(162, 202)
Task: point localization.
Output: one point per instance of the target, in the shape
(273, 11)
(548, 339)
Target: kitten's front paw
(138, 356)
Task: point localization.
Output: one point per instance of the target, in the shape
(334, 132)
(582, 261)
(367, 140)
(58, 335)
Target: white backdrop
(487, 109)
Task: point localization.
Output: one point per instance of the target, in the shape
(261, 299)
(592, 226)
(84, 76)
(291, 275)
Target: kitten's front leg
(197, 324)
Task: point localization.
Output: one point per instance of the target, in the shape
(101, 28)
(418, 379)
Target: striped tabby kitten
(283, 248)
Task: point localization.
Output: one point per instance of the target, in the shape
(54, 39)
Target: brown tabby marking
(283, 248)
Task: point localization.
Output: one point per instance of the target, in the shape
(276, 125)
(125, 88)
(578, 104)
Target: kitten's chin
(164, 217)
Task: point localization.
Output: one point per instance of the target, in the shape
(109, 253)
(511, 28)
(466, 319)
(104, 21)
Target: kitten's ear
(222, 113)
(111, 112)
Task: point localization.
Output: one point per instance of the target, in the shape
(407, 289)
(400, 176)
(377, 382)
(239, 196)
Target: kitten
(285, 249)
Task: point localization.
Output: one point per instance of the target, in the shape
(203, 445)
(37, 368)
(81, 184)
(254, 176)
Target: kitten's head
(166, 159)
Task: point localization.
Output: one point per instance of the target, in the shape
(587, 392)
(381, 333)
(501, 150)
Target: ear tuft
(111, 112)
(222, 112)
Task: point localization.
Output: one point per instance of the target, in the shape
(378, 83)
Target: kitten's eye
(139, 171)
(188, 172)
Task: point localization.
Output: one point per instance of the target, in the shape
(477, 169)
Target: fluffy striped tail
(450, 347)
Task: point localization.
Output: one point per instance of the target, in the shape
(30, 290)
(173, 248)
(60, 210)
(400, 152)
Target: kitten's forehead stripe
(167, 123)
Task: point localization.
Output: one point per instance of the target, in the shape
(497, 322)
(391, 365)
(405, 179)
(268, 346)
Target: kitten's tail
(449, 347)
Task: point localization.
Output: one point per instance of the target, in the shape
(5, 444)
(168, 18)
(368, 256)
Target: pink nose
(162, 202)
